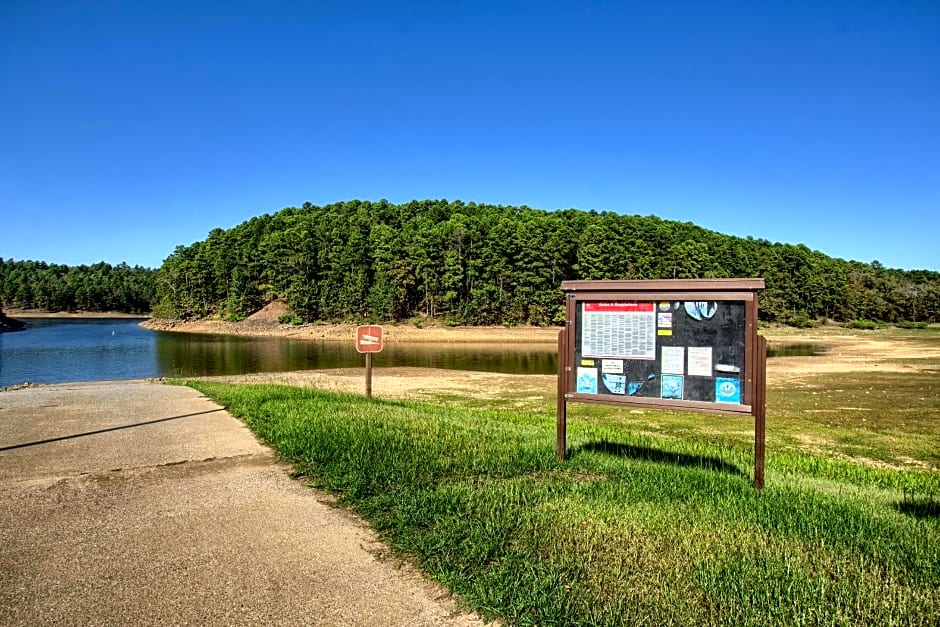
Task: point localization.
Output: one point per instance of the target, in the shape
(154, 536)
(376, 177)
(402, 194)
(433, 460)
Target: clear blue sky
(127, 128)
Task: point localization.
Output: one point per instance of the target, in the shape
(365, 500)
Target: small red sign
(369, 339)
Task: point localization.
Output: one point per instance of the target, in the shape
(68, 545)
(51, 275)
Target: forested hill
(56, 287)
(484, 264)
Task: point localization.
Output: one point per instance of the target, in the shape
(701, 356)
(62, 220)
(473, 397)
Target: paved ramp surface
(137, 503)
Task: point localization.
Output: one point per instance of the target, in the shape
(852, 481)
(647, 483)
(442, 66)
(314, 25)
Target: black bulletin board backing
(679, 350)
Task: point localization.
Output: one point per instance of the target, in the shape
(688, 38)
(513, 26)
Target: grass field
(653, 519)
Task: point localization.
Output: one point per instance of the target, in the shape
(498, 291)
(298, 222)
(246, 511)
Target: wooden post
(760, 410)
(561, 417)
(368, 375)
(369, 339)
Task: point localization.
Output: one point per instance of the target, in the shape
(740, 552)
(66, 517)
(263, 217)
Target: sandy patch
(850, 353)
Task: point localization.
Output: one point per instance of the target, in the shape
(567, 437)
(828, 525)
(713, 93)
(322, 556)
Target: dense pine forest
(484, 264)
(462, 263)
(98, 287)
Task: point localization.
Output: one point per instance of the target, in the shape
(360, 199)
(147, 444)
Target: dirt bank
(265, 323)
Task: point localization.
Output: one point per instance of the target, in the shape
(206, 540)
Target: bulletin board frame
(680, 344)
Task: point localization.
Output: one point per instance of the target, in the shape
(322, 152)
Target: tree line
(98, 287)
(477, 264)
(461, 263)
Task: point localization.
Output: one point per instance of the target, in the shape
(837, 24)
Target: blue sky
(127, 128)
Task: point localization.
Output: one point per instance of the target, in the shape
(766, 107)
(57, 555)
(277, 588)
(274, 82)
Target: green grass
(652, 520)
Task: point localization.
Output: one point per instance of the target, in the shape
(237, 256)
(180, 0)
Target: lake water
(60, 350)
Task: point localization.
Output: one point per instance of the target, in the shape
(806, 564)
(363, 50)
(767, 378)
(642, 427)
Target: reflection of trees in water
(181, 354)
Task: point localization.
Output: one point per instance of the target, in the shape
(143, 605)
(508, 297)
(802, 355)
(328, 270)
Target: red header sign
(369, 339)
(627, 306)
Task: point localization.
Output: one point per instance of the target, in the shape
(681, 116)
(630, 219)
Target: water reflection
(195, 355)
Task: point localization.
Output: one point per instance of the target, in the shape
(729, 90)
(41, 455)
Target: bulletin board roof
(696, 285)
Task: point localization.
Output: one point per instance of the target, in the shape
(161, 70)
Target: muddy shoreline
(403, 332)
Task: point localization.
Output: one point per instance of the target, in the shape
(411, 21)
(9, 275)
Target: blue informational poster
(727, 390)
(587, 380)
(672, 385)
(615, 383)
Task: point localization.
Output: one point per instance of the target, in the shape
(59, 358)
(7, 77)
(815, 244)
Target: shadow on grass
(656, 455)
(920, 509)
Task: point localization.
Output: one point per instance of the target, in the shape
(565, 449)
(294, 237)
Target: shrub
(866, 325)
(799, 320)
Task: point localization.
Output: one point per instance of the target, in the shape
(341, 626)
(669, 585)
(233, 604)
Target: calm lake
(60, 350)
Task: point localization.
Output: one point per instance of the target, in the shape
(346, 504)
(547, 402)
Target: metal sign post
(369, 340)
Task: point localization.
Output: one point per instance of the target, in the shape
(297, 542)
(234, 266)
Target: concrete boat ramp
(132, 503)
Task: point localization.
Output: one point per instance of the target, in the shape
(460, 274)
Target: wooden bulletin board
(670, 344)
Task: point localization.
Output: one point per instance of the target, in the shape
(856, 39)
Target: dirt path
(135, 503)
